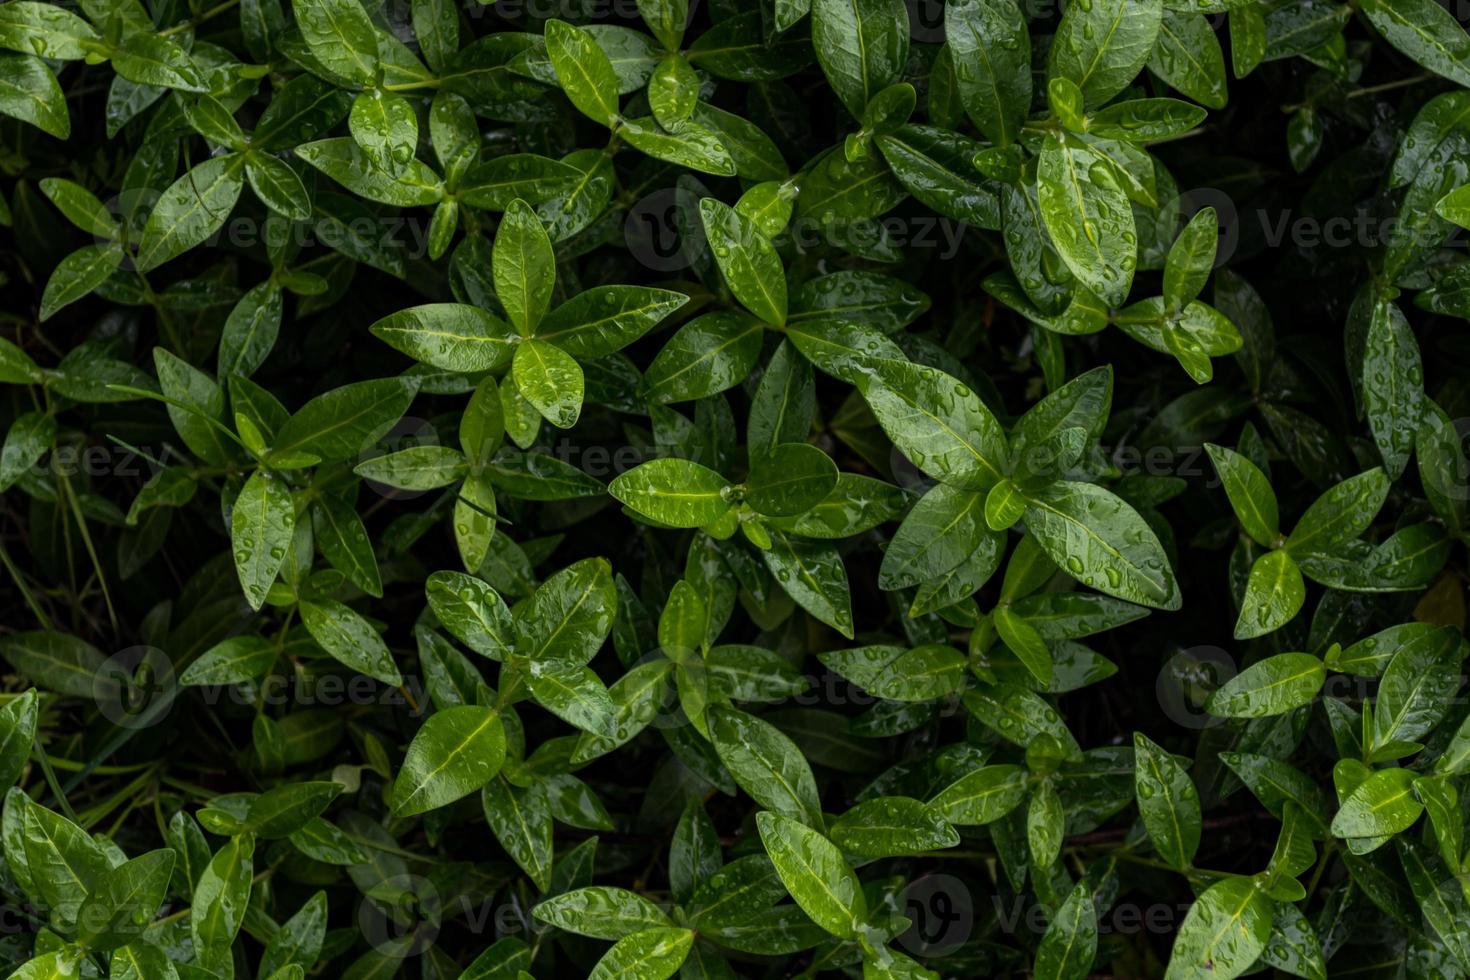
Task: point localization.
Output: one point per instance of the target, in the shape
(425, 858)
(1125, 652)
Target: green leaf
(1381, 805)
(1099, 540)
(1020, 716)
(281, 811)
(195, 408)
(747, 260)
(1103, 45)
(1340, 514)
(1069, 946)
(1426, 32)
(551, 380)
(29, 92)
(694, 145)
(29, 438)
(385, 126)
(1393, 385)
(152, 59)
(889, 826)
(637, 698)
(673, 91)
(674, 492)
(1276, 783)
(55, 661)
(456, 752)
(452, 336)
(343, 540)
(934, 166)
(1416, 689)
(937, 422)
(473, 612)
(60, 964)
(862, 46)
(44, 30)
(709, 354)
(194, 207)
(570, 615)
(1269, 687)
(261, 525)
(601, 912)
(220, 899)
(1444, 905)
(341, 423)
(232, 661)
(573, 693)
(981, 796)
(667, 20)
(814, 873)
(793, 479)
(1023, 640)
(1187, 56)
(990, 48)
(1226, 929)
(524, 267)
(495, 184)
(651, 954)
(1274, 594)
(1250, 494)
(521, 822)
(340, 36)
(341, 159)
(604, 319)
(899, 673)
(251, 330)
(350, 639)
(63, 864)
(583, 71)
(299, 940)
(17, 733)
(77, 275)
(1190, 259)
(1087, 214)
(1143, 120)
(813, 575)
(1167, 801)
(766, 764)
(80, 205)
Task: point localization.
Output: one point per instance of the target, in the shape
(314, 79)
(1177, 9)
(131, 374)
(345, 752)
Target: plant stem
(209, 14)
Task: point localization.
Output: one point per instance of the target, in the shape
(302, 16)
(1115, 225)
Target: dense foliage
(750, 488)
